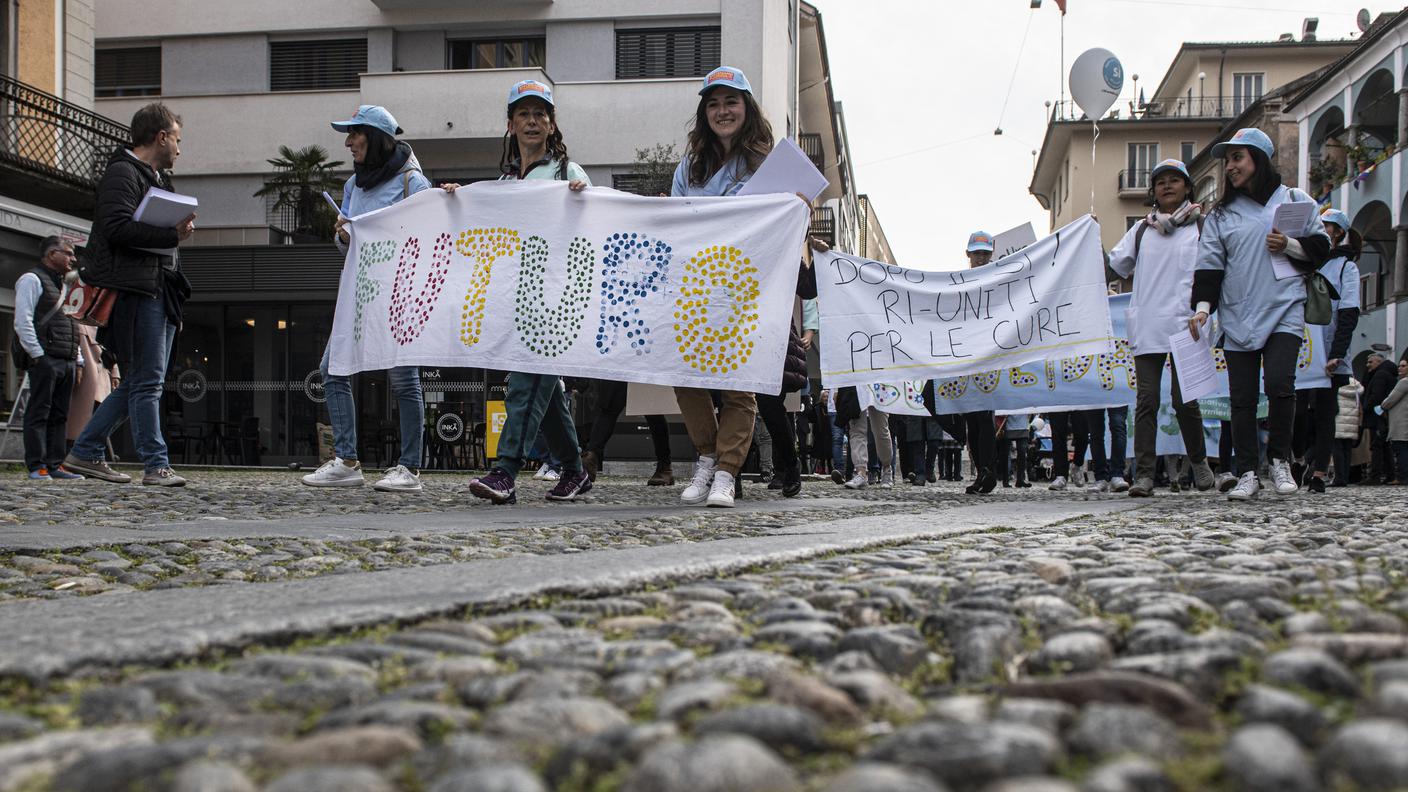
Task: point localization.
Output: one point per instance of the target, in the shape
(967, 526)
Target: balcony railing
(41, 134)
(1183, 107)
(1134, 181)
(810, 143)
(823, 225)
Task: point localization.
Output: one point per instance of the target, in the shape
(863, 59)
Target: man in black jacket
(1380, 375)
(139, 261)
(50, 341)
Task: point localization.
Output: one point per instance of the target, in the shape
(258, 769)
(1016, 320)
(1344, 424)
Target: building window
(1187, 150)
(1246, 90)
(514, 53)
(1131, 222)
(667, 52)
(131, 71)
(1142, 159)
(322, 65)
(1207, 192)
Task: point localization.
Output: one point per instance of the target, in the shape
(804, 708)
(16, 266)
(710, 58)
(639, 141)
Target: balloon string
(1096, 126)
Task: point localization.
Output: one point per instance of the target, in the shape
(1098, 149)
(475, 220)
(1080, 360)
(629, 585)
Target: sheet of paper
(332, 203)
(164, 209)
(786, 170)
(1197, 372)
(1290, 218)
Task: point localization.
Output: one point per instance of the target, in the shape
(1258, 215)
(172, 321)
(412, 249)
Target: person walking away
(385, 172)
(50, 342)
(1342, 271)
(534, 148)
(1160, 253)
(1262, 317)
(151, 295)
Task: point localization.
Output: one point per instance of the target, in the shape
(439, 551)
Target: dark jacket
(1379, 383)
(58, 335)
(112, 258)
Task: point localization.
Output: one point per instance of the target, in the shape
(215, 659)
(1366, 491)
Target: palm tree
(299, 179)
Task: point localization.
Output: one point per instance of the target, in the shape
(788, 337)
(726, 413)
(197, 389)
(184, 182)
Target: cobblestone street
(903, 640)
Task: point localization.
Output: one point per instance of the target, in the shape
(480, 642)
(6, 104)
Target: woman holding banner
(534, 149)
(728, 141)
(1159, 253)
(981, 426)
(1242, 274)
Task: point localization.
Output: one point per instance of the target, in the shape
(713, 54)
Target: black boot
(791, 481)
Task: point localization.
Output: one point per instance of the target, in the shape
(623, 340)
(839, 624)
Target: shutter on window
(132, 71)
(316, 65)
(667, 52)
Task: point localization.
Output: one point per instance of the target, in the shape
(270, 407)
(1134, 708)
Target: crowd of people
(1188, 264)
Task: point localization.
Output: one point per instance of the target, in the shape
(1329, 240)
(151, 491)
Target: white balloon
(1096, 79)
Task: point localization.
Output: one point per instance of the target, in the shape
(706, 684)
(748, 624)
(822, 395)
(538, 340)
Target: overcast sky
(923, 84)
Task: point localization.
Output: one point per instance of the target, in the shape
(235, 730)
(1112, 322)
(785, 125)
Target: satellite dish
(1363, 20)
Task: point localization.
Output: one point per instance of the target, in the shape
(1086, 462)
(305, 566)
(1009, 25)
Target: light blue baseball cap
(979, 240)
(374, 116)
(1337, 217)
(1250, 137)
(728, 76)
(1170, 165)
(527, 88)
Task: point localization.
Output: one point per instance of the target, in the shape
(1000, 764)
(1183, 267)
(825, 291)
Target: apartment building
(52, 146)
(250, 77)
(1205, 87)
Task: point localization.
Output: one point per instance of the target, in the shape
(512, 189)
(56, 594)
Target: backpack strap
(1139, 238)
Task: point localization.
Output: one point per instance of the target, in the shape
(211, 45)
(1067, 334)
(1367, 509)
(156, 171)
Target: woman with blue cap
(980, 426)
(1159, 252)
(385, 171)
(727, 143)
(1320, 406)
(1261, 316)
(534, 149)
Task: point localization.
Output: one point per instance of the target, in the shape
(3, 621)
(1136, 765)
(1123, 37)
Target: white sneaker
(1247, 488)
(1226, 481)
(548, 473)
(721, 493)
(336, 473)
(1098, 487)
(398, 479)
(1077, 476)
(1281, 474)
(698, 490)
(1058, 483)
(1118, 484)
(887, 478)
(858, 481)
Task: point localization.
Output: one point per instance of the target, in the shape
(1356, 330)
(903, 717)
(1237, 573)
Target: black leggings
(775, 417)
(982, 439)
(1316, 410)
(1063, 423)
(610, 403)
(1278, 360)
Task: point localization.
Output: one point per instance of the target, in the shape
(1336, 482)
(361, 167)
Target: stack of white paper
(786, 170)
(164, 209)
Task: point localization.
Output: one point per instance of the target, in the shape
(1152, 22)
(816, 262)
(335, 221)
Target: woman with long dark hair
(728, 141)
(534, 149)
(1320, 406)
(1261, 316)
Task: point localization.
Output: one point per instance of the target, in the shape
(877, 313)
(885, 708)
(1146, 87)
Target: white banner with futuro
(527, 276)
(881, 321)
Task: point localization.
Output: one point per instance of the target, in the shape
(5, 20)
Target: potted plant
(1361, 157)
(298, 183)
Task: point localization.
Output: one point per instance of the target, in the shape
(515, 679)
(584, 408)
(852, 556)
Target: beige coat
(1396, 408)
(94, 382)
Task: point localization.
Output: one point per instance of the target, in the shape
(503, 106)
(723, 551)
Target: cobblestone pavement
(1191, 644)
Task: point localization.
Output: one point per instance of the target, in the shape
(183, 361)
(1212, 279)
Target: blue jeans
(838, 445)
(536, 402)
(1108, 461)
(138, 396)
(342, 411)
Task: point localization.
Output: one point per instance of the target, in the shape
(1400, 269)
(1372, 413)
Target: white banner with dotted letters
(883, 322)
(530, 277)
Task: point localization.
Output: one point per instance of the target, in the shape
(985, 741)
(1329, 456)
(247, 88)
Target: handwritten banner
(881, 321)
(527, 276)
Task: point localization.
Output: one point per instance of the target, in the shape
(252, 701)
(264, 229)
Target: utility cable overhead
(1015, 67)
(922, 150)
